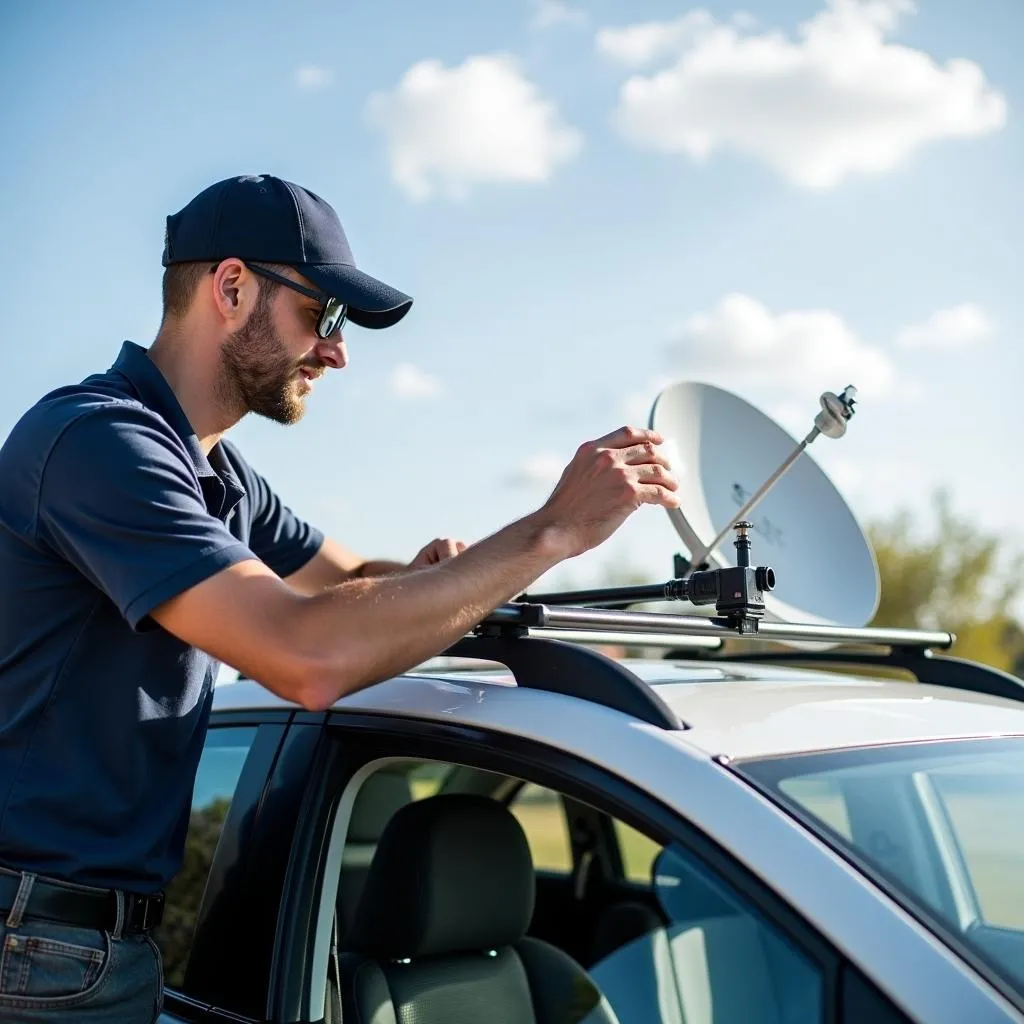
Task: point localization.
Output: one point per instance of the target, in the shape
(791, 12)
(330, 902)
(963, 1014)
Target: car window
(824, 799)
(936, 824)
(637, 853)
(541, 813)
(220, 767)
(426, 779)
(717, 958)
(986, 822)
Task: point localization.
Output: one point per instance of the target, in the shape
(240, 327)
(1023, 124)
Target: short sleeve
(277, 535)
(120, 500)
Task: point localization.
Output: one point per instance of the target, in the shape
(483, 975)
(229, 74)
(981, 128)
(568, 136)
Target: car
(587, 814)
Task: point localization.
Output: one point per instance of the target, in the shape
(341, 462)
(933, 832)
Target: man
(138, 549)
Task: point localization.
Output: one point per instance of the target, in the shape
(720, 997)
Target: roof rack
(518, 617)
(509, 636)
(567, 668)
(617, 638)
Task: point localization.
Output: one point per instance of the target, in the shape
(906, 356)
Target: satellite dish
(722, 450)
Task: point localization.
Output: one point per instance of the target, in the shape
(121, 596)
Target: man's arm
(335, 564)
(314, 649)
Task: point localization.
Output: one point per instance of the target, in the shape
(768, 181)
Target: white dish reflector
(722, 450)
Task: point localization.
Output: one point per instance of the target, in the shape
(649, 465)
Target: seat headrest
(378, 798)
(452, 873)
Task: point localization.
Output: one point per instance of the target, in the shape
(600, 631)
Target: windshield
(939, 825)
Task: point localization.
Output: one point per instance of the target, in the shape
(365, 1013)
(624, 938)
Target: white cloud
(448, 129)
(409, 382)
(541, 470)
(312, 79)
(643, 43)
(554, 13)
(956, 328)
(741, 343)
(794, 416)
(837, 100)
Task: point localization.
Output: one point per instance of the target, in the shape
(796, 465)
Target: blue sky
(586, 200)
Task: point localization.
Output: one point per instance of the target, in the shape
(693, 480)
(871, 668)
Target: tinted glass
(716, 959)
(219, 770)
(940, 825)
(427, 779)
(637, 852)
(542, 815)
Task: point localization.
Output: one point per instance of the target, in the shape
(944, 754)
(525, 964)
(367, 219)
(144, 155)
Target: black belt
(54, 901)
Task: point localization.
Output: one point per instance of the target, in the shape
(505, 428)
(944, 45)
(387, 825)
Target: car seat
(439, 936)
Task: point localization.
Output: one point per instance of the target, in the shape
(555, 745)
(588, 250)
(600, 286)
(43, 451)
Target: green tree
(185, 893)
(958, 577)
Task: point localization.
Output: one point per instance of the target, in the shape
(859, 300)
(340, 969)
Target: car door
(808, 979)
(230, 838)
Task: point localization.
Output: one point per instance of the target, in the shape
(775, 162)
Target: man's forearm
(371, 628)
(379, 567)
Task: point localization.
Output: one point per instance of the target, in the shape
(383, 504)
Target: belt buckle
(143, 912)
(152, 910)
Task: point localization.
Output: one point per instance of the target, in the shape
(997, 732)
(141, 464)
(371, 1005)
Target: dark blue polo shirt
(108, 507)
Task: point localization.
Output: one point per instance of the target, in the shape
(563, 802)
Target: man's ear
(234, 290)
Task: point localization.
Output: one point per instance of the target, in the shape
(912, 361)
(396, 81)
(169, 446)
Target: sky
(588, 201)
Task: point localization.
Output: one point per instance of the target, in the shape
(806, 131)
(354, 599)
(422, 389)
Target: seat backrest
(439, 934)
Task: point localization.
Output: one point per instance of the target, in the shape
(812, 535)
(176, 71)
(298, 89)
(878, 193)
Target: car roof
(735, 709)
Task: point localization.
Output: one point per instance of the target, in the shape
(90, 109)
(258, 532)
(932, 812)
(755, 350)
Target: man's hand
(606, 481)
(438, 550)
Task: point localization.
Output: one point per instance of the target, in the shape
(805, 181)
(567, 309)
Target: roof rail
(567, 668)
(923, 665)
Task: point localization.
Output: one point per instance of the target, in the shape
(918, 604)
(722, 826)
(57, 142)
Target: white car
(556, 833)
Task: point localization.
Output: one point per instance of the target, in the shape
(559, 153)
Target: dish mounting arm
(836, 411)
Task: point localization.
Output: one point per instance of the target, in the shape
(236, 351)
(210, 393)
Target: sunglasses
(333, 312)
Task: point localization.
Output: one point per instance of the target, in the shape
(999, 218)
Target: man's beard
(258, 375)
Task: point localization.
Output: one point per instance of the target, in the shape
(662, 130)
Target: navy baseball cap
(264, 219)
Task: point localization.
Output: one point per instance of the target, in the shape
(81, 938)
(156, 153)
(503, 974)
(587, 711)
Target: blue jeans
(53, 972)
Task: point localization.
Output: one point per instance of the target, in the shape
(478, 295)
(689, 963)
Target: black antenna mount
(737, 592)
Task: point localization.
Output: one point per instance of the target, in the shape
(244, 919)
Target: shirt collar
(134, 364)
